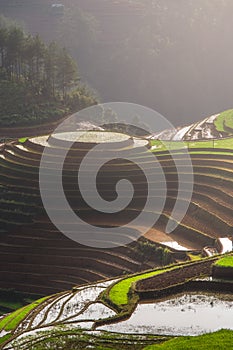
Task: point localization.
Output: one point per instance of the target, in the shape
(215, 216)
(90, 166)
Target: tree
(39, 50)
(28, 55)
(14, 50)
(50, 69)
(67, 72)
(38, 82)
(3, 42)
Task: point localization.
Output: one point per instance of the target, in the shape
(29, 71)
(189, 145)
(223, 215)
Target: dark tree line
(49, 70)
(38, 82)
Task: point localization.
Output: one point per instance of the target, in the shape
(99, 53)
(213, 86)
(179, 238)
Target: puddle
(188, 314)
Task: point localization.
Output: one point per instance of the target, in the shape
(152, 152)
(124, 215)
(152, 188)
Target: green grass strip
(220, 340)
(11, 321)
(118, 294)
(224, 119)
(226, 143)
(225, 262)
(22, 139)
(5, 338)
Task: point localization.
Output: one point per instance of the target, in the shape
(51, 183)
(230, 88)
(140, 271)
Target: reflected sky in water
(188, 314)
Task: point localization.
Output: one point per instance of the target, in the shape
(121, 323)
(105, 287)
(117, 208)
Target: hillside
(85, 288)
(39, 82)
(217, 126)
(24, 223)
(146, 52)
(87, 317)
(116, 232)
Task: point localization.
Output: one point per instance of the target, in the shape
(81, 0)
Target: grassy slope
(176, 145)
(11, 321)
(225, 262)
(224, 121)
(220, 340)
(119, 292)
(11, 300)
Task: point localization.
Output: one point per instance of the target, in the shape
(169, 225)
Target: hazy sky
(173, 56)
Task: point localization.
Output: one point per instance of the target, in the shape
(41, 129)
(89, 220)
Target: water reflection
(188, 314)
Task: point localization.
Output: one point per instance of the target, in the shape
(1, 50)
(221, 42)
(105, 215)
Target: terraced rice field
(36, 257)
(213, 128)
(89, 308)
(209, 212)
(183, 314)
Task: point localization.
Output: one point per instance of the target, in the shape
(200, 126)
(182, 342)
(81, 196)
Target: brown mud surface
(176, 276)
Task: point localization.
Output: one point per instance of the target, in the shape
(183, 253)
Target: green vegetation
(38, 82)
(5, 338)
(225, 262)
(10, 300)
(78, 339)
(118, 294)
(23, 139)
(62, 338)
(11, 321)
(224, 122)
(220, 340)
(11, 305)
(151, 251)
(81, 339)
(159, 146)
(194, 257)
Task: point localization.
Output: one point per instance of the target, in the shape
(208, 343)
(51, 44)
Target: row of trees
(38, 82)
(49, 70)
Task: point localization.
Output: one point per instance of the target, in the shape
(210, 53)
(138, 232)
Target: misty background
(175, 56)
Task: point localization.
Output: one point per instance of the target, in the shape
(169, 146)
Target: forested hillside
(38, 82)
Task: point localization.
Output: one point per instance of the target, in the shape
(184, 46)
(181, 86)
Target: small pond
(187, 314)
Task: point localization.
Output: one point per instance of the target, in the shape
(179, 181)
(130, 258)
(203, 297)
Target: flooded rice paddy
(187, 314)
